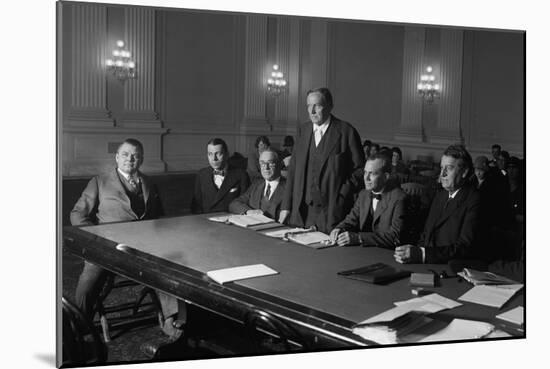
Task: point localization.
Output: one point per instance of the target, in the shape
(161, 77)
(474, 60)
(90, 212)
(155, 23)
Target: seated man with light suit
(452, 227)
(265, 195)
(122, 194)
(219, 184)
(376, 218)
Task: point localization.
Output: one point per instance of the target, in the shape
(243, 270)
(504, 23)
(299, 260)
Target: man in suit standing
(217, 185)
(452, 226)
(327, 153)
(123, 194)
(265, 195)
(377, 216)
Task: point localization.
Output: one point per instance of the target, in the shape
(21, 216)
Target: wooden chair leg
(105, 328)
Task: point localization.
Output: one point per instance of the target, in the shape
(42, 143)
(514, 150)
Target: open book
(243, 220)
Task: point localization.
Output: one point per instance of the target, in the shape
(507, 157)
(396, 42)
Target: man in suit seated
(376, 218)
(265, 195)
(122, 194)
(219, 184)
(452, 226)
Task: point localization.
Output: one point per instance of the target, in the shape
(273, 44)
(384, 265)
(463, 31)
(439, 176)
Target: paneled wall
(202, 75)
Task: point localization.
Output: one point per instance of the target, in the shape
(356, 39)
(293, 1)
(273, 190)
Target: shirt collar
(274, 182)
(323, 127)
(126, 175)
(452, 195)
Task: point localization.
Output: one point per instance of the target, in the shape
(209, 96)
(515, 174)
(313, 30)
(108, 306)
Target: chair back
(414, 189)
(81, 344)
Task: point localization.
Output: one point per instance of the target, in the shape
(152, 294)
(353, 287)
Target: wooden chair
(81, 344)
(111, 317)
(417, 208)
(270, 334)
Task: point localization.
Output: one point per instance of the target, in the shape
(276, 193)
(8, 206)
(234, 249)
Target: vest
(313, 172)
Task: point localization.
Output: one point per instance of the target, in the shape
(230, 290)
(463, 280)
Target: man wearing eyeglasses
(265, 195)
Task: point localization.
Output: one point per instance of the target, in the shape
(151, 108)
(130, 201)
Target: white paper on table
(461, 329)
(242, 272)
(514, 315)
(220, 218)
(431, 303)
(309, 238)
(494, 296)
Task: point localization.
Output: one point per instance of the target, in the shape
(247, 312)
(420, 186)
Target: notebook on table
(378, 273)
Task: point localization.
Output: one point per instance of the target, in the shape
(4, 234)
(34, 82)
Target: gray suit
(252, 199)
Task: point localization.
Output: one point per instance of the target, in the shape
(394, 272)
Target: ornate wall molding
(88, 86)
(448, 117)
(410, 127)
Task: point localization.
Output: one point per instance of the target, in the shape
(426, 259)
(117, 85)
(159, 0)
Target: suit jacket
(253, 196)
(451, 232)
(105, 200)
(207, 198)
(387, 220)
(343, 156)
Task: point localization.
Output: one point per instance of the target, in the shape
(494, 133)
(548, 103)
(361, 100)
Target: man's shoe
(173, 328)
(151, 348)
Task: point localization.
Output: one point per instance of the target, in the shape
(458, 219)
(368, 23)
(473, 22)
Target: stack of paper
(237, 273)
(514, 316)
(387, 328)
(430, 303)
(282, 233)
(476, 277)
(494, 296)
(461, 329)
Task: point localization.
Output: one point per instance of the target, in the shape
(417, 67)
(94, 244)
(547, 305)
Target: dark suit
(207, 198)
(452, 228)
(340, 155)
(105, 199)
(253, 199)
(384, 227)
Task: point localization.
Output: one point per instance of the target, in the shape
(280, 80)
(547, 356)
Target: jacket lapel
(227, 184)
(119, 190)
(363, 215)
(332, 137)
(452, 206)
(380, 207)
(145, 189)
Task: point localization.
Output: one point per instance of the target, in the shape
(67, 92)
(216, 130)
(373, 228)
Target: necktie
(134, 182)
(375, 198)
(318, 135)
(268, 191)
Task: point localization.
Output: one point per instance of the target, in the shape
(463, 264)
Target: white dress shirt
(320, 130)
(272, 186)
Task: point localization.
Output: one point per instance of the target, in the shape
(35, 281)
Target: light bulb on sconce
(122, 67)
(427, 88)
(276, 84)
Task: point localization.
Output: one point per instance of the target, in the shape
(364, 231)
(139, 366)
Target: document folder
(378, 273)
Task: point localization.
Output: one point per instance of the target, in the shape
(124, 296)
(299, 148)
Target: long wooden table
(174, 254)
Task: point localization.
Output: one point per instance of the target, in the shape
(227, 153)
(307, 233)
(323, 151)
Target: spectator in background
(397, 165)
(494, 194)
(502, 162)
(374, 149)
(287, 147)
(495, 151)
(219, 184)
(516, 179)
(366, 148)
(262, 143)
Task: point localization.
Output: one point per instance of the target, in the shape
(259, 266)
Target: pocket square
(233, 189)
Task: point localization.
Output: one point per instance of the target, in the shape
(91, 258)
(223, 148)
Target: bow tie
(218, 172)
(377, 196)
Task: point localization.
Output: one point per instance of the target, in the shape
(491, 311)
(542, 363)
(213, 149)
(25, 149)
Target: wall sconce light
(122, 65)
(276, 84)
(427, 87)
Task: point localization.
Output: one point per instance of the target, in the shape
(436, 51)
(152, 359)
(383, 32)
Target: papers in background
(243, 272)
(461, 329)
(494, 296)
(476, 277)
(430, 303)
(514, 316)
(242, 220)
